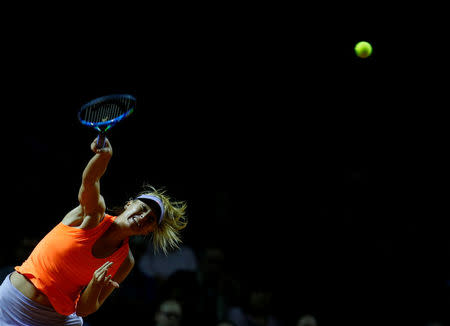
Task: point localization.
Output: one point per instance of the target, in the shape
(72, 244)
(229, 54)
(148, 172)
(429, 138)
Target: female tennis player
(79, 263)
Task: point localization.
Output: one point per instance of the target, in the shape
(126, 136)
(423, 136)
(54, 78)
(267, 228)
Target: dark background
(311, 166)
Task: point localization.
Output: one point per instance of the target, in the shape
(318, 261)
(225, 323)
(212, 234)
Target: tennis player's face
(139, 217)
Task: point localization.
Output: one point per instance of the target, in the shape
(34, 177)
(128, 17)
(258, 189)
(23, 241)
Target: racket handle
(101, 140)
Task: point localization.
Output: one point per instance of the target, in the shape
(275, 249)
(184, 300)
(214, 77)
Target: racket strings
(105, 111)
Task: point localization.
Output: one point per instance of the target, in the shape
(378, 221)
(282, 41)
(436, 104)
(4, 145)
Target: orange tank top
(62, 264)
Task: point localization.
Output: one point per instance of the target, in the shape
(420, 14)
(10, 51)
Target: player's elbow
(84, 313)
(84, 310)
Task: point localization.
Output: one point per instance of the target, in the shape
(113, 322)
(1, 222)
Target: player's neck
(115, 234)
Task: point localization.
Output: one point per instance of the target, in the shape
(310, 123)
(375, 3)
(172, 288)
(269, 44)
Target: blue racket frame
(103, 126)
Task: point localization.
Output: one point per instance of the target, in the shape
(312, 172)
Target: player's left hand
(100, 279)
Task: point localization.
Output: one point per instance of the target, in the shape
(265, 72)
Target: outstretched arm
(91, 201)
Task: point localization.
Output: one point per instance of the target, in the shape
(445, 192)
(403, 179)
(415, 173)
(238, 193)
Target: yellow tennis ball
(363, 49)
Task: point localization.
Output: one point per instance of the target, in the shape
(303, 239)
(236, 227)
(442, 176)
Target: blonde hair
(166, 235)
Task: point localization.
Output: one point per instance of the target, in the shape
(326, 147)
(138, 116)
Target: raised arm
(91, 201)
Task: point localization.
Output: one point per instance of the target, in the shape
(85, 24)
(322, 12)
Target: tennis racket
(105, 112)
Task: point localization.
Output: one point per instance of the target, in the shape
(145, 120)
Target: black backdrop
(310, 165)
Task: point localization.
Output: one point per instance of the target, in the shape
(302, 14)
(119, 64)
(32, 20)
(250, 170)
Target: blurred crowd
(188, 287)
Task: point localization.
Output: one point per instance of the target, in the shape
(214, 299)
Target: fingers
(104, 267)
(100, 275)
(114, 283)
(107, 143)
(104, 147)
(108, 280)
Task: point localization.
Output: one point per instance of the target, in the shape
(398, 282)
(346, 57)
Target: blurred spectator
(212, 264)
(184, 287)
(256, 310)
(158, 267)
(169, 313)
(205, 293)
(219, 289)
(307, 320)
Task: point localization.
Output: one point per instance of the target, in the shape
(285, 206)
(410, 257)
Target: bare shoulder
(78, 218)
(74, 218)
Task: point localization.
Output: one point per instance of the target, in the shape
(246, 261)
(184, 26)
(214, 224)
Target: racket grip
(101, 140)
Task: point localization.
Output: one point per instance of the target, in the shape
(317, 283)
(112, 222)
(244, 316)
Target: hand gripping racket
(104, 112)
